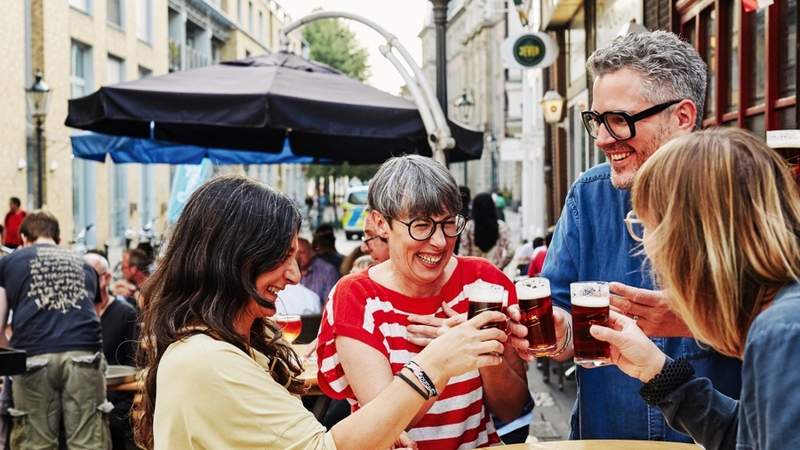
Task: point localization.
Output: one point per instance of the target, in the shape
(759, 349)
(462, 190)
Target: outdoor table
(600, 445)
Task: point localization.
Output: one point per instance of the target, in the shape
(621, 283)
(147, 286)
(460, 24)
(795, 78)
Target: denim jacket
(591, 243)
(767, 416)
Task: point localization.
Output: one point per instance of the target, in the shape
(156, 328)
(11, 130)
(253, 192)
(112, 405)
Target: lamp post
(440, 22)
(38, 97)
(464, 106)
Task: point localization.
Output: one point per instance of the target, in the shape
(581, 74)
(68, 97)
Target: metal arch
(433, 118)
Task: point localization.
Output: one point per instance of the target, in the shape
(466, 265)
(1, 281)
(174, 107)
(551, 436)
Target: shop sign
(535, 50)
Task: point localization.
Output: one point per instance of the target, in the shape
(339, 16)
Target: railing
(195, 58)
(174, 56)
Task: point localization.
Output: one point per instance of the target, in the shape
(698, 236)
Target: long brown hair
(723, 217)
(232, 230)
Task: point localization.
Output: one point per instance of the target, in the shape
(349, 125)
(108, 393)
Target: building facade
(81, 45)
(482, 94)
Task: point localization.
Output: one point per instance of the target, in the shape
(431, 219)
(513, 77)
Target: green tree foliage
(332, 43)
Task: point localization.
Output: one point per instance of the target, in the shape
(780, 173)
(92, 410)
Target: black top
(51, 292)
(120, 333)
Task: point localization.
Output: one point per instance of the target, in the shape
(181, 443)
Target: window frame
(691, 11)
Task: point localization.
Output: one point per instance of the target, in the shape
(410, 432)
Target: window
(240, 11)
(261, 26)
(250, 17)
(80, 69)
(733, 24)
(755, 55)
(709, 52)
(758, 52)
(116, 70)
(82, 5)
(114, 12)
(144, 20)
(787, 74)
(148, 196)
(144, 72)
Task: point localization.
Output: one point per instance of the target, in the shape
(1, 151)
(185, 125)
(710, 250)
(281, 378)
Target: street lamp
(464, 105)
(553, 105)
(38, 97)
(440, 21)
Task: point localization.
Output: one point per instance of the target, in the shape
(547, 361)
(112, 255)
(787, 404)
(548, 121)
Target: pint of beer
(536, 307)
(483, 296)
(589, 307)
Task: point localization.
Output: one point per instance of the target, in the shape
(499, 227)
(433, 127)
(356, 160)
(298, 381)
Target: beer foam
(532, 288)
(590, 302)
(482, 291)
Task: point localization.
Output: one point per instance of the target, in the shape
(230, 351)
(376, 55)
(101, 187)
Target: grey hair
(415, 186)
(672, 69)
(100, 260)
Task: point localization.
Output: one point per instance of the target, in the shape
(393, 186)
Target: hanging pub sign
(533, 50)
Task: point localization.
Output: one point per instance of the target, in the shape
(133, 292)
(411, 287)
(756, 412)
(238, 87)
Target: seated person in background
(324, 245)
(718, 216)
(136, 267)
(373, 244)
(539, 255)
(523, 254)
(349, 260)
(317, 275)
(225, 379)
(120, 327)
(367, 332)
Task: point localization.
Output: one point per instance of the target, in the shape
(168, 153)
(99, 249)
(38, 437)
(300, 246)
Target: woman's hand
(562, 321)
(463, 348)
(631, 350)
(404, 442)
(424, 329)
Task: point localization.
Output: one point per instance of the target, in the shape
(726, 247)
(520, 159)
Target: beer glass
(291, 325)
(589, 307)
(536, 308)
(483, 296)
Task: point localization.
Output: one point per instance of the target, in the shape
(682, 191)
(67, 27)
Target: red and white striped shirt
(362, 309)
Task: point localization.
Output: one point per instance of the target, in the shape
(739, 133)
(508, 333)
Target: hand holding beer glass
(483, 296)
(536, 310)
(589, 307)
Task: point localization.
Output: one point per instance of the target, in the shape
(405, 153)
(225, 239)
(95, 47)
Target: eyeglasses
(421, 229)
(620, 125)
(634, 225)
(366, 240)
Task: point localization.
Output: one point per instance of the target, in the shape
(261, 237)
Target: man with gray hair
(648, 88)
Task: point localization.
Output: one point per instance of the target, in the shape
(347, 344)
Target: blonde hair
(723, 218)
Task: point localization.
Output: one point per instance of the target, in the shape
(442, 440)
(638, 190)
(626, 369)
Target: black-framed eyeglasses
(422, 228)
(366, 240)
(634, 225)
(620, 125)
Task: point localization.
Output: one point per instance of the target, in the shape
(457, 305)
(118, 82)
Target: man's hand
(650, 310)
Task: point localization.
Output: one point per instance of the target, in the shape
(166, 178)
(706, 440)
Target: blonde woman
(720, 216)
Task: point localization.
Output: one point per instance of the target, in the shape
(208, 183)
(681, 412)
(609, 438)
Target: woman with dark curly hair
(486, 235)
(219, 374)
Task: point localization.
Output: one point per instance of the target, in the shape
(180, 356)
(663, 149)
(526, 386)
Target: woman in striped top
(364, 338)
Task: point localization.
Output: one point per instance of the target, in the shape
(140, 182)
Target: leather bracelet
(408, 381)
(672, 375)
(423, 378)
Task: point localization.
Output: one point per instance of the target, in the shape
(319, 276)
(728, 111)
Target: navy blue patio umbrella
(256, 103)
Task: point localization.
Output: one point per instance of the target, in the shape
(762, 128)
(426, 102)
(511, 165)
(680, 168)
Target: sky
(403, 18)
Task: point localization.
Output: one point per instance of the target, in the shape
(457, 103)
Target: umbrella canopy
(254, 103)
(96, 146)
